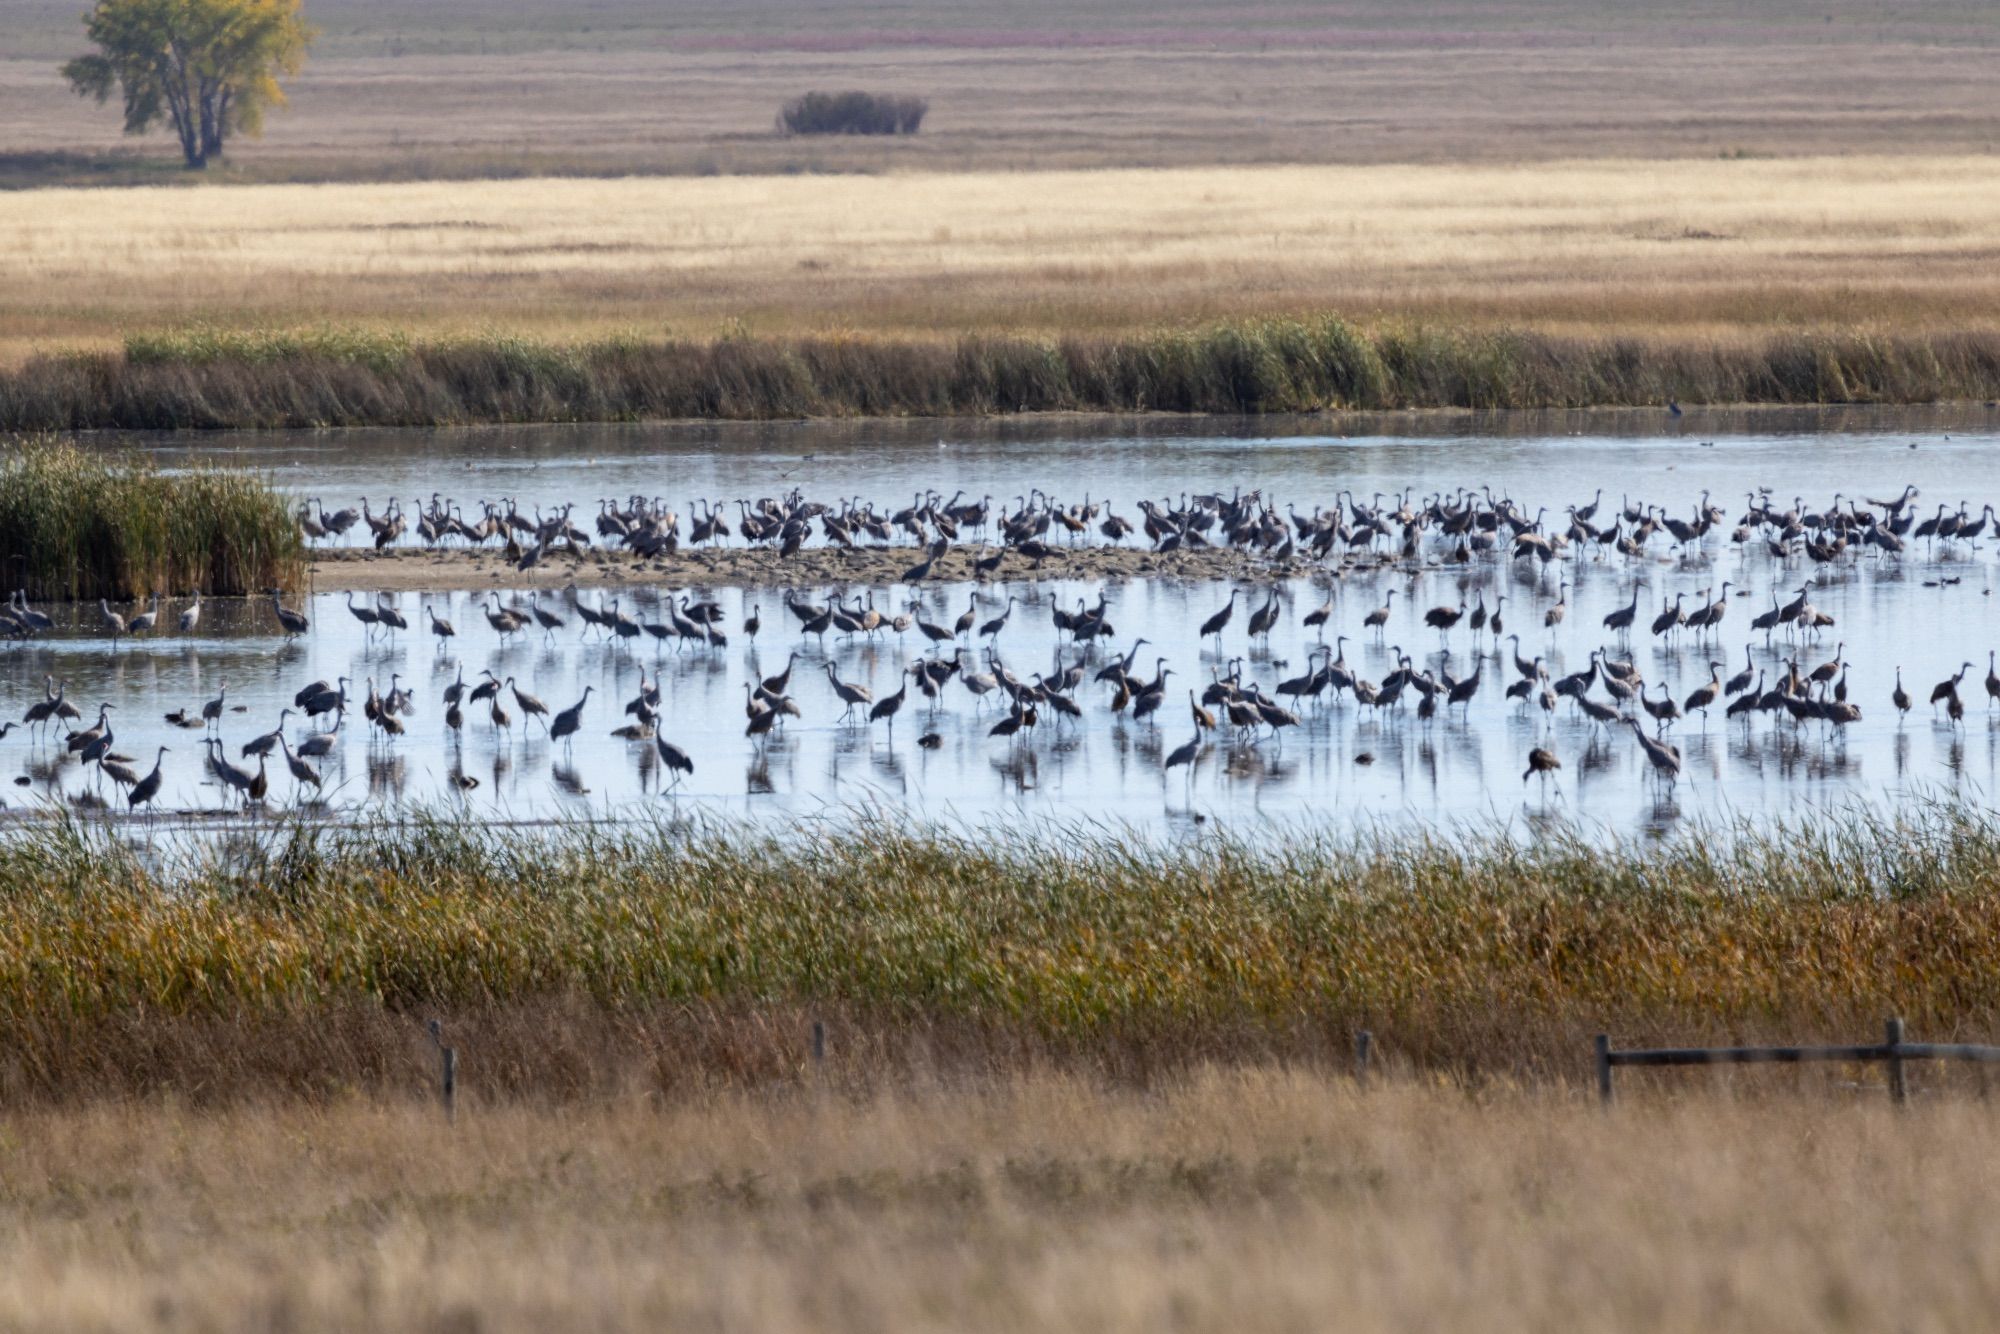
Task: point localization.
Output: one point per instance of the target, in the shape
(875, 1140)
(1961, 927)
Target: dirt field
(1257, 1200)
(1899, 244)
(509, 87)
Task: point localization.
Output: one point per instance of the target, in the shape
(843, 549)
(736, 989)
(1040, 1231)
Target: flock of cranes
(1506, 565)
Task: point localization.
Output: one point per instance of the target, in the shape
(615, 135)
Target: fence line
(1893, 1051)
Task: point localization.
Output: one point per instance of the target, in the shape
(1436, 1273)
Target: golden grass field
(1257, 1199)
(1676, 247)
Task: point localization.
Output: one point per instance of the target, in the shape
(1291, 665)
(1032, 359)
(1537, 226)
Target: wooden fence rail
(1892, 1050)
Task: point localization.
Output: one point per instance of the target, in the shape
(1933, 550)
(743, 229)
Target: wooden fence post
(1893, 1032)
(1364, 1046)
(1604, 1069)
(447, 1073)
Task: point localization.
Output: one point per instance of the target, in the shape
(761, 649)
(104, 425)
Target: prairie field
(473, 88)
(1689, 248)
(1246, 1199)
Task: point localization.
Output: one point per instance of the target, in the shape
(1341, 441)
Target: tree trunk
(181, 97)
(214, 107)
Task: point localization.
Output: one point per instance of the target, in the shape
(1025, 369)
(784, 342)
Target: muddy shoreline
(411, 570)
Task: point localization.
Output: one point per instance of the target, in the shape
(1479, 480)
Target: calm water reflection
(1927, 612)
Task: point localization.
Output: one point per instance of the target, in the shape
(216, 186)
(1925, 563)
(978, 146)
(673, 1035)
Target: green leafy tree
(208, 68)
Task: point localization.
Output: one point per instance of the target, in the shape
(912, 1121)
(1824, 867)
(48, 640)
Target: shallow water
(1465, 764)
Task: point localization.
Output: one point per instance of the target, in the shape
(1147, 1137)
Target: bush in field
(852, 113)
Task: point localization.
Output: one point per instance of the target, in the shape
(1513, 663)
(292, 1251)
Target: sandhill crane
(1215, 624)
(674, 758)
(147, 788)
(1148, 701)
(143, 623)
(1665, 758)
(369, 617)
(887, 707)
(263, 745)
(998, 623)
(232, 778)
(52, 706)
(292, 622)
(1187, 754)
(302, 772)
(1543, 762)
(1204, 721)
(1266, 616)
(1901, 697)
(1664, 710)
(1461, 692)
(211, 712)
(28, 616)
(439, 626)
(321, 744)
(1379, 617)
(1621, 619)
(853, 696)
(190, 620)
(1553, 616)
(1703, 696)
(1442, 619)
(112, 622)
(1748, 702)
(1738, 683)
(548, 620)
(570, 719)
(530, 706)
(1947, 689)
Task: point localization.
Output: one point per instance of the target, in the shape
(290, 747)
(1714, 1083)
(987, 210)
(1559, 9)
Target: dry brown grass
(1690, 247)
(1246, 1200)
(512, 87)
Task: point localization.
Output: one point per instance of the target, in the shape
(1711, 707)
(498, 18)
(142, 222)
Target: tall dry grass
(580, 960)
(1254, 1198)
(211, 380)
(77, 522)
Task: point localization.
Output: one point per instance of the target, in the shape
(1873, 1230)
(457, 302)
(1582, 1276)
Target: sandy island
(411, 570)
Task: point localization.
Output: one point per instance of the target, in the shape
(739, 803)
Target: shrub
(852, 113)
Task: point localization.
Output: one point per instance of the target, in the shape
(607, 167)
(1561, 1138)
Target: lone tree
(209, 68)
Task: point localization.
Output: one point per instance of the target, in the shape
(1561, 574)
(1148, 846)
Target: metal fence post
(1893, 1031)
(1604, 1069)
(1364, 1046)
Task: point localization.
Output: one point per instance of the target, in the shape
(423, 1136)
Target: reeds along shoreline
(581, 960)
(81, 523)
(204, 380)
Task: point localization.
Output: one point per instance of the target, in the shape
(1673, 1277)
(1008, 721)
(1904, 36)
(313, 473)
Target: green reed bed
(577, 957)
(85, 523)
(203, 379)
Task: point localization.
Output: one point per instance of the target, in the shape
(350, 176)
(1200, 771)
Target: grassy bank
(574, 961)
(79, 523)
(1258, 1198)
(208, 380)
